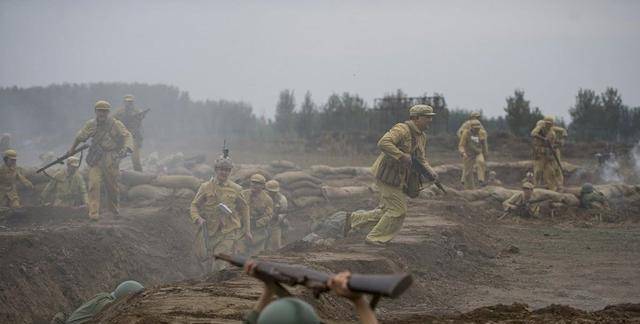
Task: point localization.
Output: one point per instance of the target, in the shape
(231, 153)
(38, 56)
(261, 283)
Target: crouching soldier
(521, 204)
(10, 174)
(66, 188)
(261, 210)
(280, 224)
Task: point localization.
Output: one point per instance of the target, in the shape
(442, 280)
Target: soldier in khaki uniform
(520, 203)
(224, 229)
(399, 146)
(261, 210)
(474, 149)
(467, 124)
(110, 141)
(560, 135)
(543, 160)
(131, 117)
(10, 174)
(280, 224)
(66, 188)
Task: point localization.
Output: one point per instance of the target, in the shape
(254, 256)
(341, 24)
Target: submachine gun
(392, 285)
(61, 159)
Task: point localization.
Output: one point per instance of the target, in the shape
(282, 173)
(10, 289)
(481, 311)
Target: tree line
(54, 113)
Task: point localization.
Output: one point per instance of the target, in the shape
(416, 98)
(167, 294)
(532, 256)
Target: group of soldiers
(112, 138)
(233, 220)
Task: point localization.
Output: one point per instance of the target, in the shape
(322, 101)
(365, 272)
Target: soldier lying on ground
(590, 198)
(295, 311)
(89, 309)
(520, 204)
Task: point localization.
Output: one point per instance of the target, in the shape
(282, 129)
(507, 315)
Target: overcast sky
(474, 52)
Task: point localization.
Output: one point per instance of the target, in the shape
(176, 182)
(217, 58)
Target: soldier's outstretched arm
(462, 143)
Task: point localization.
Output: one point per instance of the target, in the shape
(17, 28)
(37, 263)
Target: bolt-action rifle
(550, 147)
(392, 285)
(61, 159)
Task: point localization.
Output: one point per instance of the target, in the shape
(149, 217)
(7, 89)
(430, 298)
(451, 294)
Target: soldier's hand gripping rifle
(423, 172)
(549, 146)
(61, 159)
(378, 286)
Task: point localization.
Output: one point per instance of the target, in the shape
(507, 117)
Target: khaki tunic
(466, 125)
(476, 148)
(280, 206)
(224, 230)
(261, 210)
(519, 205)
(544, 171)
(106, 171)
(560, 136)
(8, 190)
(132, 122)
(391, 177)
(65, 191)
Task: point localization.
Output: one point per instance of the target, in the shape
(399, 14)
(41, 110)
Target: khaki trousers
(468, 164)
(544, 172)
(388, 218)
(135, 157)
(104, 174)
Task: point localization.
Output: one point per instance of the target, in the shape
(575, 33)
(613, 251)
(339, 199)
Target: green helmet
(126, 288)
(288, 311)
(587, 188)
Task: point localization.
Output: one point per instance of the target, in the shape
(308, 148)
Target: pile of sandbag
(328, 172)
(301, 188)
(279, 166)
(242, 172)
(147, 186)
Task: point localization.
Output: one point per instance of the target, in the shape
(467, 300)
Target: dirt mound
(54, 259)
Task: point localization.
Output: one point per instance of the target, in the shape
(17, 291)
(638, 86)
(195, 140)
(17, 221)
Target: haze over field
(474, 52)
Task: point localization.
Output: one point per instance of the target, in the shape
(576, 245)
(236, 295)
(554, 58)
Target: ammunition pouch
(414, 184)
(96, 153)
(390, 171)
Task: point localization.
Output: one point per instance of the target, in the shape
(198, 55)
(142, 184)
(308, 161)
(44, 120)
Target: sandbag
(288, 177)
(177, 182)
(179, 170)
(246, 172)
(184, 193)
(565, 198)
(148, 192)
(300, 184)
(302, 202)
(283, 165)
(202, 171)
(135, 178)
(321, 170)
(346, 192)
(307, 192)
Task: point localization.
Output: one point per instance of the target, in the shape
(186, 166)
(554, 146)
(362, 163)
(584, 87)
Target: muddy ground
(468, 266)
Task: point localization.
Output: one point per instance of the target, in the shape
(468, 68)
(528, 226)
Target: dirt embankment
(55, 259)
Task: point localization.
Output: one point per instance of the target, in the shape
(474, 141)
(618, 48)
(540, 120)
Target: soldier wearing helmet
(10, 175)
(521, 203)
(132, 117)
(291, 310)
(86, 312)
(66, 188)
(224, 229)
(261, 210)
(474, 150)
(110, 141)
(544, 164)
(280, 224)
(399, 146)
(467, 124)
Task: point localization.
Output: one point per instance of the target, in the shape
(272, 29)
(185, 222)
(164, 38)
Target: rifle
(225, 150)
(205, 239)
(141, 115)
(391, 286)
(61, 159)
(416, 165)
(547, 143)
(520, 207)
